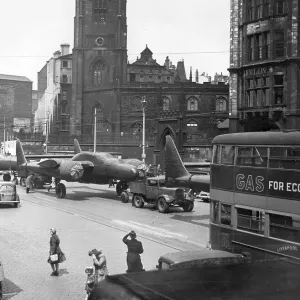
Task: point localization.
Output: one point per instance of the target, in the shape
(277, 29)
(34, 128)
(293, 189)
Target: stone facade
(106, 83)
(264, 65)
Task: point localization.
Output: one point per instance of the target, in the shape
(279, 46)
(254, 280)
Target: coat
(55, 249)
(29, 182)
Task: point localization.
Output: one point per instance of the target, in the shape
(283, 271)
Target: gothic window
(63, 125)
(99, 11)
(192, 126)
(99, 71)
(63, 108)
(166, 104)
(221, 104)
(192, 104)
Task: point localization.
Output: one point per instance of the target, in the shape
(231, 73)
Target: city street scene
(150, 152)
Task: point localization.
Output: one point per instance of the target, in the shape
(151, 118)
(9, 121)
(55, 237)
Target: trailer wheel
(60, 191)
(23, 181)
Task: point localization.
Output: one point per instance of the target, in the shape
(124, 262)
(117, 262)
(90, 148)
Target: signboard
(22, 123)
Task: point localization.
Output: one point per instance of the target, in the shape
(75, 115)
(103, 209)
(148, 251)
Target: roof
(270, 279)
(203, 255)
(14, 78)
(259, 138)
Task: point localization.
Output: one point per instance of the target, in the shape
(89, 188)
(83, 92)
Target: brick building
(15, 105)
(264, 65)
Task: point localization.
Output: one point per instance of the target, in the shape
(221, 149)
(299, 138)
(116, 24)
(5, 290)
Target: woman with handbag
(56, 256)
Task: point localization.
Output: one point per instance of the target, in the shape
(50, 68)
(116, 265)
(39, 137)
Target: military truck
(152, 190)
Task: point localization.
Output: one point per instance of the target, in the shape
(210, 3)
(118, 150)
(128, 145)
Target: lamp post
(95, 129)
(144, 117)
(47, 130)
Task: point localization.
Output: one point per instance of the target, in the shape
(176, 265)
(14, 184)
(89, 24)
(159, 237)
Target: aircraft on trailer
(85, 167)
(121, 185)
(177, 174)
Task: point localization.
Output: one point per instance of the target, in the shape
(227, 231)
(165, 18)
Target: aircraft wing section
(50, 163)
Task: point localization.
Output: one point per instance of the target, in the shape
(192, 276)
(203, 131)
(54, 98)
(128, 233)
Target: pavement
(91, 217)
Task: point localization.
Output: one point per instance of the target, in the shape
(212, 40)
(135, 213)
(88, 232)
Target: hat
(132, 233)
(95, 252)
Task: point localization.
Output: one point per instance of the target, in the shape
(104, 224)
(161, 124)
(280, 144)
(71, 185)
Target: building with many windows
(104, 81)
(264, 65)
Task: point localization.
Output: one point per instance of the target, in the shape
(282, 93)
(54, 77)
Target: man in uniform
(135, 248)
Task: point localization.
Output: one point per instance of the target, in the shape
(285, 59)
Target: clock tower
(99, 65)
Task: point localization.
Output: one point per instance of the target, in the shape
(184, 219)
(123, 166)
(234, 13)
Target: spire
(197, 75)
(191, 75)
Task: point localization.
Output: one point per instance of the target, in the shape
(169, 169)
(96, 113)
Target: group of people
(134, 263)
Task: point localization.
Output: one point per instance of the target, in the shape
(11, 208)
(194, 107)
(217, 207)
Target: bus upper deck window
(227, 155)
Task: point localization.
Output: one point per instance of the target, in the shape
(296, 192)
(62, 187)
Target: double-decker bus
(255, 194)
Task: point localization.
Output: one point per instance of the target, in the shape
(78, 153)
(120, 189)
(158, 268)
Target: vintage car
(1, 279)
(8, 193)
(200, 258)
(204, 196)
(152, 190)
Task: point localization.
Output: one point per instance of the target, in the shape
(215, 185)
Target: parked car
(152, 190)
(8, 193)
(204, 196)
(200, 258)
(1, 279)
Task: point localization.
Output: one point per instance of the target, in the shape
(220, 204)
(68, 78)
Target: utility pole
(95, 129)
(47, 130)
(4, 137)
(144, 129)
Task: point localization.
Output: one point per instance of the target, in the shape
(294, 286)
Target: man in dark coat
(135, 248)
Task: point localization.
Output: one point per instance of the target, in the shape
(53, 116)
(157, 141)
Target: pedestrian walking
(100, 264)
(135, 248)
(29, 183)
(111, 183)
(56, 256)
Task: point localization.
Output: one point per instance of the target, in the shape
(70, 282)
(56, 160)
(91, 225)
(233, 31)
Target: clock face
(99, 41)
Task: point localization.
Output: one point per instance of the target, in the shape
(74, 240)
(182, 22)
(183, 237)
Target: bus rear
(255, 193)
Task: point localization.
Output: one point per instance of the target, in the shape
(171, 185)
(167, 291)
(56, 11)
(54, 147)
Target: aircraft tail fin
(77, 148)
(20, 154)
(174, 166)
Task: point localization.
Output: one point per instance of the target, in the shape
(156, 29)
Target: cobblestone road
(24, 238)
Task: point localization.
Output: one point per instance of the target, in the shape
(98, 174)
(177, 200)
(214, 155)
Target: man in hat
(135, 248)
(100, 264)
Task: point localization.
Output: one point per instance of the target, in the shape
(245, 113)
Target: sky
(194, 30)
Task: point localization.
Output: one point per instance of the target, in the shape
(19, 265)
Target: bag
(54, 257)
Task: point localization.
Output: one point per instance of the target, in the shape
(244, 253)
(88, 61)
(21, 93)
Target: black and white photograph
(149, 150)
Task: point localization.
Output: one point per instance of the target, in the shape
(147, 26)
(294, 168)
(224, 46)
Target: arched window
(99, 71)
(192, 104)
(221, 104)
(192, 126)
(166, 104)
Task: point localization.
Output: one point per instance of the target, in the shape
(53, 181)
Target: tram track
(173, 243)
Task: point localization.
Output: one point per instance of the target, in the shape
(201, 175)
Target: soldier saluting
(135, 248)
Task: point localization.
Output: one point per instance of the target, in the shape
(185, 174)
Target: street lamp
(144, 117)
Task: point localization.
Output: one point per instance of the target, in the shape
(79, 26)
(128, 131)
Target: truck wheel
(38, 183)
(162, 205)
(23, 182)
(138, 201)
(188, 206)
(124, 197)
(60, 191)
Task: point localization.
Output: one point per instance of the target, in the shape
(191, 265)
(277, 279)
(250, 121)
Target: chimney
(191, 75)
(57, 54)
(65, 49)
(197, 76)
(167, 62)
